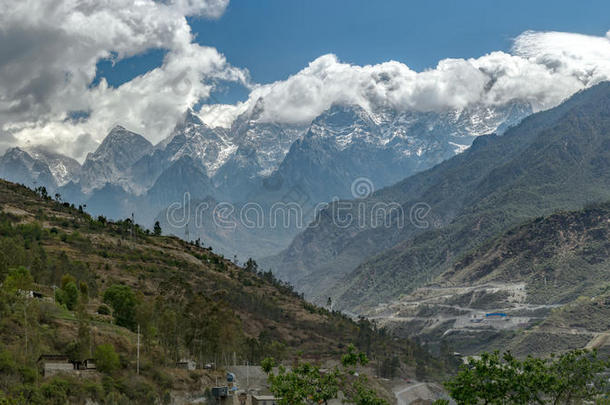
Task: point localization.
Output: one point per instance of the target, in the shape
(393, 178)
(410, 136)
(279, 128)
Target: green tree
(70, 295)
(106, 358)
(84, 292)
(84, 334)
(251, 266)
(18, 279)
(306, 383)
(573, 377)
(123, 302)
(157, 229)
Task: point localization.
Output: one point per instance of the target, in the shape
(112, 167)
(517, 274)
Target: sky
(72, 69)
(277, 38)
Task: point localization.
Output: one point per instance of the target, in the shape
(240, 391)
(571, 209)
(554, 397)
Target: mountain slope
(557, 159)
(560, 257)
(346, 143)
(565, 167)
(63, 168)
(185, 301)
(343, 148)
(185, 175)
(19, 166)
(549, 277)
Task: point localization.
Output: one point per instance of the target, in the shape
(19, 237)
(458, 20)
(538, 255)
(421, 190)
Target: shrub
(103, 310)
(55, 391)
(18, 279)
(106, 358)
(123, 302)
(68, 294)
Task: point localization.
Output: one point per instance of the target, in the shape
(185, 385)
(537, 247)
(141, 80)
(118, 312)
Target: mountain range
(256, 162)
(424, 222)
(553, 160)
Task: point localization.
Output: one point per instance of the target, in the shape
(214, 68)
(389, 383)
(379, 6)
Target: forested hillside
(82, 286)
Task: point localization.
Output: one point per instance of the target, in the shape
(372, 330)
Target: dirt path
(419, 391)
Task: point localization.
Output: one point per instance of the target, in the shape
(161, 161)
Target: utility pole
(25, 326)
(133, 228)
(138, 361)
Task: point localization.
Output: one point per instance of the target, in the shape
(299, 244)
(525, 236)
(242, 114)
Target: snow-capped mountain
(260, 149)
(112, 159)
(259, 161)
(19, 166)
(63, 168)
(192, 138)
(346, 143)
(209, 147)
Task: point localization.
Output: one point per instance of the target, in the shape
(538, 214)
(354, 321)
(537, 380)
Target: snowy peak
(347, 142)
(19, 166)
(345, 124)
(46, 167)
(122, 146)
(191, 118)
(115, 155)
(194, 139)
(260, 146)
(18, 154)
(64, 168)
(339, 116)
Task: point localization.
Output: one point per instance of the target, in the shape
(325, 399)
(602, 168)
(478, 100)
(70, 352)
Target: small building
(186, 364)
(220, 392)
(55, 363)
(30, 294)
(264, 400)
(85, 365)
(496, 315)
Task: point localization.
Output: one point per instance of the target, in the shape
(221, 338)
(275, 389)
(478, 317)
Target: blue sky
(276, 38)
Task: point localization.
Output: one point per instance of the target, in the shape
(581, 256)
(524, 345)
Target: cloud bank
(49, 52)
(542, 68)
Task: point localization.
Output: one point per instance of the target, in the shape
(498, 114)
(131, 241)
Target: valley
(304, 202)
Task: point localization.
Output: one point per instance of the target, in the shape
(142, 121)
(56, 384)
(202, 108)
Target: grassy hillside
(102, 280)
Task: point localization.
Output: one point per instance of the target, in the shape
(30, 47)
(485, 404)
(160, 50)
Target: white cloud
(221, 115)
(543, 68)
(48, 57)
(49, 52)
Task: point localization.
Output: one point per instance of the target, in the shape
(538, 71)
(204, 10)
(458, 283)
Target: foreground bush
(572, 377)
